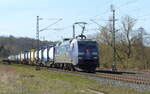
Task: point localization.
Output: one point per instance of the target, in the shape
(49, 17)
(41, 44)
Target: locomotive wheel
(41, 65)
(72, 68)
(62, 66)
(65, 67)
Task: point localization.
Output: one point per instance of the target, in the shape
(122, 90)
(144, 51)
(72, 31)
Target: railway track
(126, 78)
(147, 71)
(137, 78)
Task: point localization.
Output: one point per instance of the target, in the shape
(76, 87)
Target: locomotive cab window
(87, 44)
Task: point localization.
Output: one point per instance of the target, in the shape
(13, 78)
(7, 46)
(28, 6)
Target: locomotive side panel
(74, 52)
(62, 54)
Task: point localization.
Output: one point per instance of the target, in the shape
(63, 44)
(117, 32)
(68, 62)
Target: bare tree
(127, 27)
(105, 35)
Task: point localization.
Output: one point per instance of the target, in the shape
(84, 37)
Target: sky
(18, 17)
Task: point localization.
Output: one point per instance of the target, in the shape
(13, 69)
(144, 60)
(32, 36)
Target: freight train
(72, 54)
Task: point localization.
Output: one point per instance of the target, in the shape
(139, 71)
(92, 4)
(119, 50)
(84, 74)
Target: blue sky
(18, 17)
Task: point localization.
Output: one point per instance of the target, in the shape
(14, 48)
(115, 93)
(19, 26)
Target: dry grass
(7, 77)
(20, 79)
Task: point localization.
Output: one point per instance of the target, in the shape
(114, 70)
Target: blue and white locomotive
(79, 54)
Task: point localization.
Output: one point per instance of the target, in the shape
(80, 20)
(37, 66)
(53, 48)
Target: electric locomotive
(88, 55)
(78, 53)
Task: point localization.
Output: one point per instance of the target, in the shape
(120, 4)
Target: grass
(20, 79)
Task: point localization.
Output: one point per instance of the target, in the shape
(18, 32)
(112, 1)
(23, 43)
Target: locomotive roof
(69, 41)
(85, 40)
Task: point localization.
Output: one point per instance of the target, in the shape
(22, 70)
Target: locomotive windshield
(87, 44)
(86, 47)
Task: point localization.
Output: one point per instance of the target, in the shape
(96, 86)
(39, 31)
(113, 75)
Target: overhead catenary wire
(51, 25)
(93, 18)
(117, 8)
(109, 1)
(121, 6)
(127, 3)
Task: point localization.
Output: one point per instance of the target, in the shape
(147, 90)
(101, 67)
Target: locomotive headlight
(80, 58)
(95, 57)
